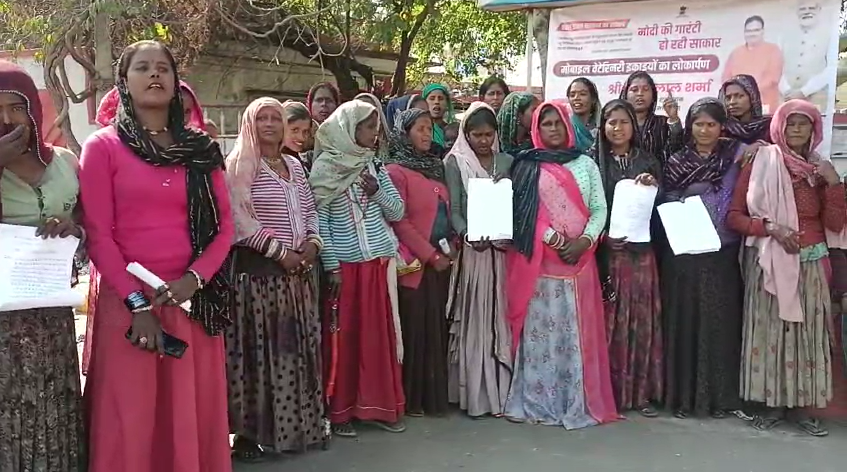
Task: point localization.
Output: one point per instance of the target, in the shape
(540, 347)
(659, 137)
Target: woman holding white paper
(41, 427)
(480, 359)
(633, 300)
(561, 374)
(701, 294)
(154, 192)
(784, 203)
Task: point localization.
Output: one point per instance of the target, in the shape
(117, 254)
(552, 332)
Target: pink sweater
(135, 212)
(421, 196)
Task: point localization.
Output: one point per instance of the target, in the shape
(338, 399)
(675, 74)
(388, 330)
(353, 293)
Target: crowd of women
(333, 285)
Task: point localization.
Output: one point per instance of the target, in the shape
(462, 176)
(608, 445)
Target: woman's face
(481, 138)
(706, 130)
(798, 132)
(580, 98)
(420, 134)
(297, 134)
(494, 96)
(323, 104)
(737, 101)
(640, 95)
(526, 116)
(270, 127)
(187, 106)
(150, 78)
(367, 132)
(619, 128)
(437, 102)
(554, 133)
(14, 113)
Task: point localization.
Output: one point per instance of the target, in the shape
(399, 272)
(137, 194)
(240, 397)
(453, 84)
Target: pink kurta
(147, 414)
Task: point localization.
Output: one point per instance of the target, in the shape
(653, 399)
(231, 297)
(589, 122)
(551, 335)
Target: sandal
(812, 427)
(415, 414)
(681, 414)
(766, 423)
(718, 414)
(648, 411)
(245, 450)
(345, 430)
(396, 427)
(512, 419)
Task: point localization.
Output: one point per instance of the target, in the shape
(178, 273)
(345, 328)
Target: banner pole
(529, 50)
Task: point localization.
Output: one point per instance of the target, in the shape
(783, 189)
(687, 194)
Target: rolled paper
(152, 280)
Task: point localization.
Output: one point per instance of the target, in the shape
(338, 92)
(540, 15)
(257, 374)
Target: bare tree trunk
(541, 31)
(103, 54)
(398, 80)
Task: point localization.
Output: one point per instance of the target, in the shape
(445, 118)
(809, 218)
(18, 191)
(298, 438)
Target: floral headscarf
(242, 167)
(509, 119)
(108, 108)
(403, 153)
(338, 158)
(438, 136)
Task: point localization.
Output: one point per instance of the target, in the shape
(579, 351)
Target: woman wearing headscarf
(514, 122)
(585, 104)
(784, 202)
(406, 102)
(746, 122)
(154, 192)
(658, 135)
(418, 175)
(356, 203)
(41, 423)
(440, 104)
(561, 374)
(634, 313)
(480, 359)
(322, 100)
(279, 404)
(384, 126)
(702, 292)
(493, 91)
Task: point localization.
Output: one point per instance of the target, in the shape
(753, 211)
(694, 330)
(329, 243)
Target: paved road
(636, 445)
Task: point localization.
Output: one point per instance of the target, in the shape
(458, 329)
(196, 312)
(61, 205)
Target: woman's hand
(147, 332)
(785, 236)
(481, 246)
(616, 244)
(574, 249)
(12, 145)
(671, 108)
(369, 184)
(749, 153)
(827, 171)
(176, 292)
(58, 228)
(292, 261)
(645, 179)
(557, 241)
(309, 253)
(440, 263)
(333, 280)
(694, 190)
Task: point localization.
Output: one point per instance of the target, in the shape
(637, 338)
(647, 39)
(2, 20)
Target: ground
(663, 444)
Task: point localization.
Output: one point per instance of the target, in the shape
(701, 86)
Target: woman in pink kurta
(154, 192)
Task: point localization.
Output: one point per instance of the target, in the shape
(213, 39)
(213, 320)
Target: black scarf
(200, 155)
(403, 153)
(525, 172)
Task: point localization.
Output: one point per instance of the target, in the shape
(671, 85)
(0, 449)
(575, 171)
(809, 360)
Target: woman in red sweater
(418, 175)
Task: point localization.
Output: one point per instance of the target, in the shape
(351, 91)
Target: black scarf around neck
(200, 155)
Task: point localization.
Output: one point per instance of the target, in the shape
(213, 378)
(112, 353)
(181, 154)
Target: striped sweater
(355, 227)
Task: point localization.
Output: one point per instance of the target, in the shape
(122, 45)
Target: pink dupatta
(562, 207)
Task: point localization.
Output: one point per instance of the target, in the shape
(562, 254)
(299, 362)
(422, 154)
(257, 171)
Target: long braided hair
(200, 155)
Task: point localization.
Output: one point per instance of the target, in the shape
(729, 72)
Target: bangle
(200, 282)
(136, 302)
(316, 240)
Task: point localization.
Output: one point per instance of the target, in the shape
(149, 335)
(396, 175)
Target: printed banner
(789, 46)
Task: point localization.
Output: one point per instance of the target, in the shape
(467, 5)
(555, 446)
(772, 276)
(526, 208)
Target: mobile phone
(174, 347)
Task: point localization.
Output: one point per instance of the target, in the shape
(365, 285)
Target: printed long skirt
(634, 329)
(273, 362)
(367, 374)
(424, 322)
(786, 364)
(702, 303)
(41, 421)
(547, 387)
(480, 352)
(152, 414)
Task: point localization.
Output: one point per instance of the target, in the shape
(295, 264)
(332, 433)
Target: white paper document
(489, 209)
(36, 272)
(151, 279)
(689, 227)
(632, 209)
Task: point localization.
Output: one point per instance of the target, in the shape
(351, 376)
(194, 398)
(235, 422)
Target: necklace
(154, 132)
(274, 160)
